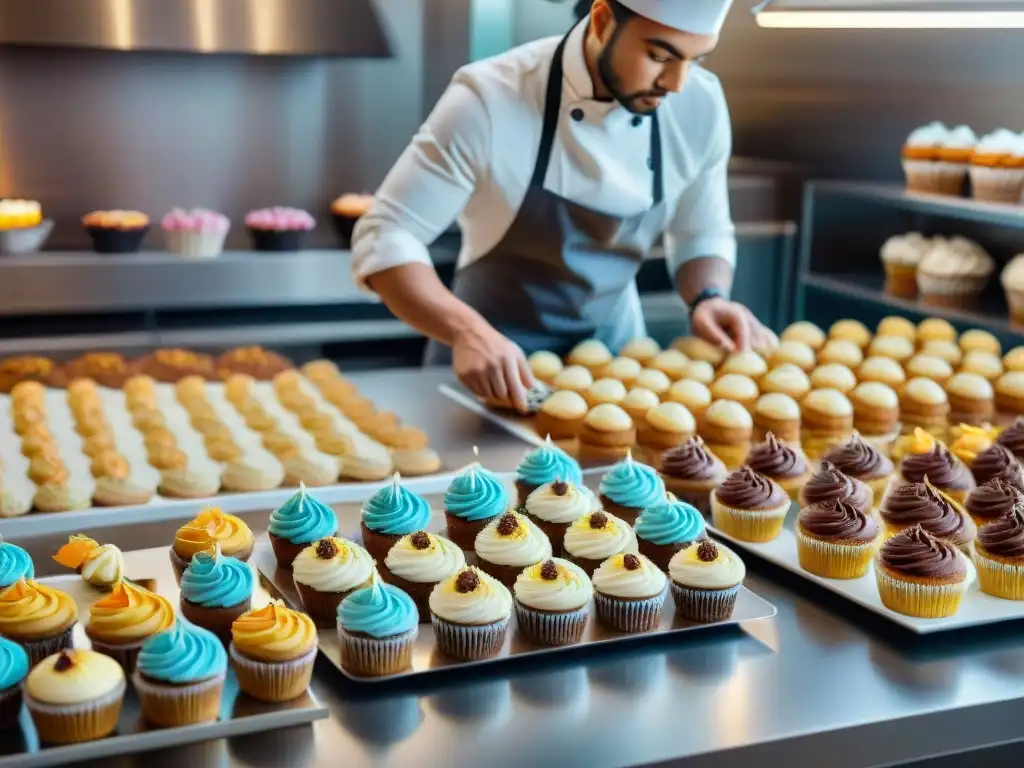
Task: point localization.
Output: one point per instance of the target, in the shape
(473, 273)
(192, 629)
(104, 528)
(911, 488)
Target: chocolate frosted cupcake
(629, 488)
(836, 540)
(921, 576)
(691, 472)
(999, 556)
(1013, 438)
(554, 507)
(785, 466)
(997, 461)
(993, 500)
(860, 460)
(829, 484)
(749, 506)
(921, 504)
(943, 470)
(665, 528)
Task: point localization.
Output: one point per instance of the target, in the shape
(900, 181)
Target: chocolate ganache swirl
(745, 489)
(997, 461)
(940, 466)
(915, 552)
(920, 504)
(773, 458)
(1013, 438)
(829, 484)
(837, 521)
(860, 459)
(1004, 537)
(994, 499)
(691, 461)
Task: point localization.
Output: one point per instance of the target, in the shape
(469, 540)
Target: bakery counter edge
(817, 679)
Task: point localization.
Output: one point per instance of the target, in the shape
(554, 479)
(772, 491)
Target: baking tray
(240, 714)
(427, 660)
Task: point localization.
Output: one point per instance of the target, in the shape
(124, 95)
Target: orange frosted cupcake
(116, 231)
(122, 621)
(37, 617)
(272, 652)
(346, 210)
(203, 532)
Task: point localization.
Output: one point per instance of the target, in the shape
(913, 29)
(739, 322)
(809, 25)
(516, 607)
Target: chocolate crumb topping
(467, 581)
(598, 520)
(549, 571)
(326, 549)
(559, 487)
(508, 524)
(64, 662)
(707, 551)
(420, 540)
(631, 562)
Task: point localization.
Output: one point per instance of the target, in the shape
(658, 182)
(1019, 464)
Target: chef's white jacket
(473, 159)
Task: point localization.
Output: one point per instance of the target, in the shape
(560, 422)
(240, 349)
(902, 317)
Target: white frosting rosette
(584, 540)
(569, 590)
(615, 579)
(437, 561)
(350, 567)
(488, 603)
(525, 545)
(551, 507)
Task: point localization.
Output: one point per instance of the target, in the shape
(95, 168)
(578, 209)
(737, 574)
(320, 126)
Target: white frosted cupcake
(594, 537)
(470, 612)
(552, 602)
(900, 256)
(997, 167)
(326, 572)
(629, 592)
(418, 562)
(922, 163)
(508, 544)
(705, 580)
(952, 273)
(1012, 279)
(554, 507)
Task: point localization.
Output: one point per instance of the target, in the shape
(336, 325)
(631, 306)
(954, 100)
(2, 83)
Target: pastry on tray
(377, 629)
(473, 499)
(120, 622)
(728, 432)
(829, 484)
(835, 540)
(591, 354)
(749, 506)
(999, 556)
(561, 415)
(509, 544)
(272, 652)
(545, 366)
(25, 368)
(705, 580)
(919, 575)
(778, 414)
(75, 696)
(298, 522)
(37, 617)
(667, 527)
(260, 363)
(921, 504)
(216, 590)
(629, 593)
(997, 167)
(107, 368)
(417, 563)
(622, 369)
(552, 601)
(389, 514)
(642, 349)
(778, 461)
(736, 387)
(545, 464)
(629, 487)
(99, 565)
(691, 472)
(693, 395)
(941, 468)
(554, 506)
(326, 572)
(593, 538)
(171, 365)
(470, 613)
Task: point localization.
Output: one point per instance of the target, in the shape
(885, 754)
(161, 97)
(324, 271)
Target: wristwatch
(707, 293)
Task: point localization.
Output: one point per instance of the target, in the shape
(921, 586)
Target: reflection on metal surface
(278, 27)
(485, 705)
(383, 720)
(849, 14)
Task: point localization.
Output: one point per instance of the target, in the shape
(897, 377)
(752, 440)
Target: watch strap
(707, 293)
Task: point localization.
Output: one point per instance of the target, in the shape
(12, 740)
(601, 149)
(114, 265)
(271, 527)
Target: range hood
(349, 28)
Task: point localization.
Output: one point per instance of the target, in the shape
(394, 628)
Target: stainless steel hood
(350, 28)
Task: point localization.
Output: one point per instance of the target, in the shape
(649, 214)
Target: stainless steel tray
(240, 714)
(428, 660)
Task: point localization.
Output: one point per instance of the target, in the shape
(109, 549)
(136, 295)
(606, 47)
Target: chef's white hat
(701, 17)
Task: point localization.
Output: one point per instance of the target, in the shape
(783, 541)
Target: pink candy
(280, 218)
(196, 220)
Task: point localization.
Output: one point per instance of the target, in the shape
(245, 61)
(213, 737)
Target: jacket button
(637, 120)
(577, 114)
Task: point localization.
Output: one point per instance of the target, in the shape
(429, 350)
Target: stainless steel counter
(818, 685)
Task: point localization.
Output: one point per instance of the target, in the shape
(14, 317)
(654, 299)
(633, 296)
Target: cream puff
(561, 415)
(575, 378)
(833, 376)
(984, 363)
(607, 434)
(665, 426)
(971, 399)
(641, 350)
(787, 379)
(698, 349)
(794, 352)
(671, 362)
(1009, 392)
(896, 347)
(935, 329)
(624, 369)
(694, 395)
(924, 404)
(746, 363)
(947, 350)
(805, 332)
(1014, 359)
(728, 431)
(842, 351)
(827, 416)
(737, 387)
(699, 370)
(884, 370)
(850, 330)
(591, 354)
(977, 340)
(545, 366)
(605, 391)
(929, 367)
(894, 325)
(638, 401)
(654, 380)
(778, 414)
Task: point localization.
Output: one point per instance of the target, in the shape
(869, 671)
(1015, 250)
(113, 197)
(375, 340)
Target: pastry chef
(564, 160)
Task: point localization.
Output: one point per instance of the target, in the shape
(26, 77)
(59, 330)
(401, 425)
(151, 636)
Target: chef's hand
(492, 366)
(730, 325)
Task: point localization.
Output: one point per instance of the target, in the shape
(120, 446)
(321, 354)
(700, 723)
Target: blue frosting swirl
(670, 522)
(15, 564)
(633, 484)
(303, 520)
(476, 494)
(215, 581)
(547, 463)
(396, 511)
(13, 664)
(380, 610)
(184, 653)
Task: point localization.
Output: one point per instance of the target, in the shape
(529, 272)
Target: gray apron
(563, 273)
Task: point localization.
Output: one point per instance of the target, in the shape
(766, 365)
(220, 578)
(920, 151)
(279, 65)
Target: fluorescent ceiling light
(890, 14)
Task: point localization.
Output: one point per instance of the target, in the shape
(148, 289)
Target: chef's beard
(613, 83)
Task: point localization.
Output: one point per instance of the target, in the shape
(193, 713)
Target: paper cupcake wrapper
(935, 177)
(757, 525)
(551, 628)
(469, 642)
(630, 615)
(961, 287)
(126, 654)
(72, 723)
(38, 650)
(923, 601)
(196, 245)
(704, 605)
(10, 706)
(834, 561)
(1005, 580)
(376, 657)
(174, 705)
(272, 681)
(997, 185)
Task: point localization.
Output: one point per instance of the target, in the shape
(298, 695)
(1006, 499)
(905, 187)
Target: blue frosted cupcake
(667, 527)
(15, 564)
(545, 464)
(377, 628)
(629, 488)
(216, 590)
(388, 515)
(475, 498)
(13, 670)
(298, 522)
(179, 676)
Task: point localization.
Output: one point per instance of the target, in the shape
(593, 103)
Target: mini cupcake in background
(955, 159)
(195, 234)
(921, 576)
(345, 212)
(279, 228)
(921, 160)
(377, 629)
(953, 273)
(116, 231)
(22, 227)
(1012, 279)
(997, 168)
(900, 256)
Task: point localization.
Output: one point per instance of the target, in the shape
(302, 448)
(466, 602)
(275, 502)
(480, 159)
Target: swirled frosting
(333, 564)
(776, 459)
(837, 521)
(1013, 437)
(1004, 537)
(859, 459)
(423, 557)
(560, 502)
(230, 531)
(30, 610)
(512, 539)
(302, 519)
(129, 614)
(746, 489)
(670, 522)
(598, 536)
(554, 585)
(274, 633)
(993, 499)
(632, 484)
(940, 466)
(215, 581)
(182, 654)
(471, 597)
(629, 576)
(921, 504)
(829, 484)
(15, 564)
(708, 565)
(476, 494)
(73, 676)
(692, 461)
(379, 610)
(13, 664)
(917, 553)
(396, 511)
(547, 463)
(997, 461)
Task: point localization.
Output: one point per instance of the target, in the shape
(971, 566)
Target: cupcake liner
(1015, 301)
(923, 601)
(997, 185)
(277, 240)
(110, 240)
(40, 648)
(550, 628)
(1005, 580)
(196, 245)
(833, 561)
(170, 705)
(125, 654)
(10, 706)
(901, 280)
(704, 605)
(344, 226)
(72, 723)
(922, 175)
(272, 681)
(376, 656)
(468, 642)
(322, 607)
(217, 620)
(632, 616)
(959, 291)
(754, 525)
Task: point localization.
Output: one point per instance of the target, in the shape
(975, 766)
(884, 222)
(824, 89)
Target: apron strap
(552, 109)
